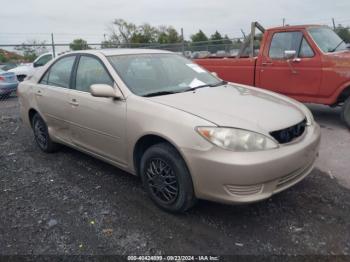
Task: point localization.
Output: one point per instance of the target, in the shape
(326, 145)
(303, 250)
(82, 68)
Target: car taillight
(2, 78)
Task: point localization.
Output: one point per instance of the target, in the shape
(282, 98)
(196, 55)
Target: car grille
(289, 134)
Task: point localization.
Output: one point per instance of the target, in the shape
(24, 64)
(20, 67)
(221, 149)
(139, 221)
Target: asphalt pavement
(71, 203)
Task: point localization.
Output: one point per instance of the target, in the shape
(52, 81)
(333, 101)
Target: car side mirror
(290, 54)
(103, 90)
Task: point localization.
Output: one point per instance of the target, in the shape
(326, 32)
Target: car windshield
(146, 74)
(327, 39)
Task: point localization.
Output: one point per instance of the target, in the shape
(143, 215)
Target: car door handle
(74, 102)
(38, 93)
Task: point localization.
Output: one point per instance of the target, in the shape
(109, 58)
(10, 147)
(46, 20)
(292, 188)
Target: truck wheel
(166, 178)
(42, 136)
(345, 114)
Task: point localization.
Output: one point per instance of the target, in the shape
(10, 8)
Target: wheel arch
(344, 94)
(145, 142)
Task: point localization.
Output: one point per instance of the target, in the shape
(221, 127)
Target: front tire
(345, 114)
(166, 178)
(41, 135)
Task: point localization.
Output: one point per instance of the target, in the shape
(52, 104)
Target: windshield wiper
(333, 50)
(220, 83)
(160, 93)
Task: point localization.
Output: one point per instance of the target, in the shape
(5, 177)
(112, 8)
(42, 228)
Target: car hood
(237, 106)
(22, 69)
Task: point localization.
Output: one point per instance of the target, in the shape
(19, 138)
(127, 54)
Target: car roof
(294, 27)
(123, 51)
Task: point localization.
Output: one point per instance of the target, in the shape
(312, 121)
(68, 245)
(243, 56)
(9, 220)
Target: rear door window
(59, 73)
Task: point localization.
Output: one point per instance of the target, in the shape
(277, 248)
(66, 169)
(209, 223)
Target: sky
(23, 20)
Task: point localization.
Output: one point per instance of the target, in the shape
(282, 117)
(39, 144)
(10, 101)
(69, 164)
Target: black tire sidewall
(346, 112)
(169, 154)
(50, 146)
(37, 118)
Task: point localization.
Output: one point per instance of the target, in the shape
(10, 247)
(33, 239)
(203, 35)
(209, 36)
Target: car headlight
(309, 117)
(237, 140)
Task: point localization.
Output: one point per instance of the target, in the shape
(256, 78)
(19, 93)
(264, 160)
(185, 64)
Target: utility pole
(53, 46)
(333, 21)
(183, 41)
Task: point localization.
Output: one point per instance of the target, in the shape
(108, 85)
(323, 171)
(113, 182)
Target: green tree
(144, 34)
(121, 31)
(227, 40)
(199, 37)
(343, 32)
(32, 49)
(217, 38)
(79, 44)
(168, 35)
(3, 58)
(237, 43)
(107, 44)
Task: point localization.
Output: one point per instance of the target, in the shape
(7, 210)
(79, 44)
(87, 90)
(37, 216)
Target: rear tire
(166, 178)
(345, 113)
(41, 135)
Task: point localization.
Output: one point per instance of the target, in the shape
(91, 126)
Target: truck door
(298, 77)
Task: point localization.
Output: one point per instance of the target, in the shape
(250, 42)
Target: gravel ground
(70, 203)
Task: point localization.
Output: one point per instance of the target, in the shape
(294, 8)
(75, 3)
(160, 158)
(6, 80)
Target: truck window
(305, 49)
(284, 41)
(326, 39)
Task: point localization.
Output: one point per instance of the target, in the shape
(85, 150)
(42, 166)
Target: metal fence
(225, 47)
(219, 48)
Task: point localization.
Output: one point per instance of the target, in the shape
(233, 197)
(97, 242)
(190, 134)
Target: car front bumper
(6, 88)
(244, 177)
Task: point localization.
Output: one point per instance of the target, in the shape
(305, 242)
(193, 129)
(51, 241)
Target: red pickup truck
(309, 63)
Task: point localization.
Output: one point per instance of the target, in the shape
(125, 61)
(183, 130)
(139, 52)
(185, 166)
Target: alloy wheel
(162, 181)
(40, 133)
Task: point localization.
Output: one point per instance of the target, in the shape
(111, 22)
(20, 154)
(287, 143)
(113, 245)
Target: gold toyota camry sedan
(186, 133)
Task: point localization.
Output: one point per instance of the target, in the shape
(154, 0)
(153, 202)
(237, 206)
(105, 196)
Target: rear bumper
(232, 177)
(6, 88)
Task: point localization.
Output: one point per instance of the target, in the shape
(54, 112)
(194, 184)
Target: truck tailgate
(241, 70)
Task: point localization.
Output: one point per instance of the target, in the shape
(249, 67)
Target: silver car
(187, 134)
(8, 83)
